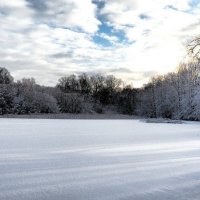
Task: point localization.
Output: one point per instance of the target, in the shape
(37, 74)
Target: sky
(131, 39)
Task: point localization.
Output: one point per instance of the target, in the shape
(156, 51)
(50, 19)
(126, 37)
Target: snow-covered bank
(98, 160)
(72, 116)
(161, 120)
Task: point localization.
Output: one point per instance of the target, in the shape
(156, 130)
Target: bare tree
(85, 83)
(69, 84)
(194, 48)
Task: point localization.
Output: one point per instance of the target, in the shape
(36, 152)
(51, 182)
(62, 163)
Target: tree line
(72, 94)
(174, 95)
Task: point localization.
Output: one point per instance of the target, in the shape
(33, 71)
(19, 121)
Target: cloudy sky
(132, 39)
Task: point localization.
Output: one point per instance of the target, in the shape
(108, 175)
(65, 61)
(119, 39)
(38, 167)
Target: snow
(45, 159)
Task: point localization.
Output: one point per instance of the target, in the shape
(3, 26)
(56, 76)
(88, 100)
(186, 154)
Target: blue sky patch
(102, 41)
(194, 3)
(110, 31)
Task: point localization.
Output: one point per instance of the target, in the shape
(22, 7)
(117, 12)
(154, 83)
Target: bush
(98, 108)
(70, 103)
(35, 102)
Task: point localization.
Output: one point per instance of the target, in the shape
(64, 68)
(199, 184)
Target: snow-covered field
(98, 160)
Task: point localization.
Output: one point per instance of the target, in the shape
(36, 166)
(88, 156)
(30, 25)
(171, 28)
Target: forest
(175, 95)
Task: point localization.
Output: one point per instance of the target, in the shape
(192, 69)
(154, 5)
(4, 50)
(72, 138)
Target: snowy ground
(98, 160)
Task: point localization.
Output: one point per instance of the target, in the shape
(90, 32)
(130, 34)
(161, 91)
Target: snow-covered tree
(7, 94)
(174, 95)
(5, 77)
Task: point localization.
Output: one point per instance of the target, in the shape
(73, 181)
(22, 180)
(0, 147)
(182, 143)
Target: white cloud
(73, 14)
(160, 29)
(15, 15)
(46, 40)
